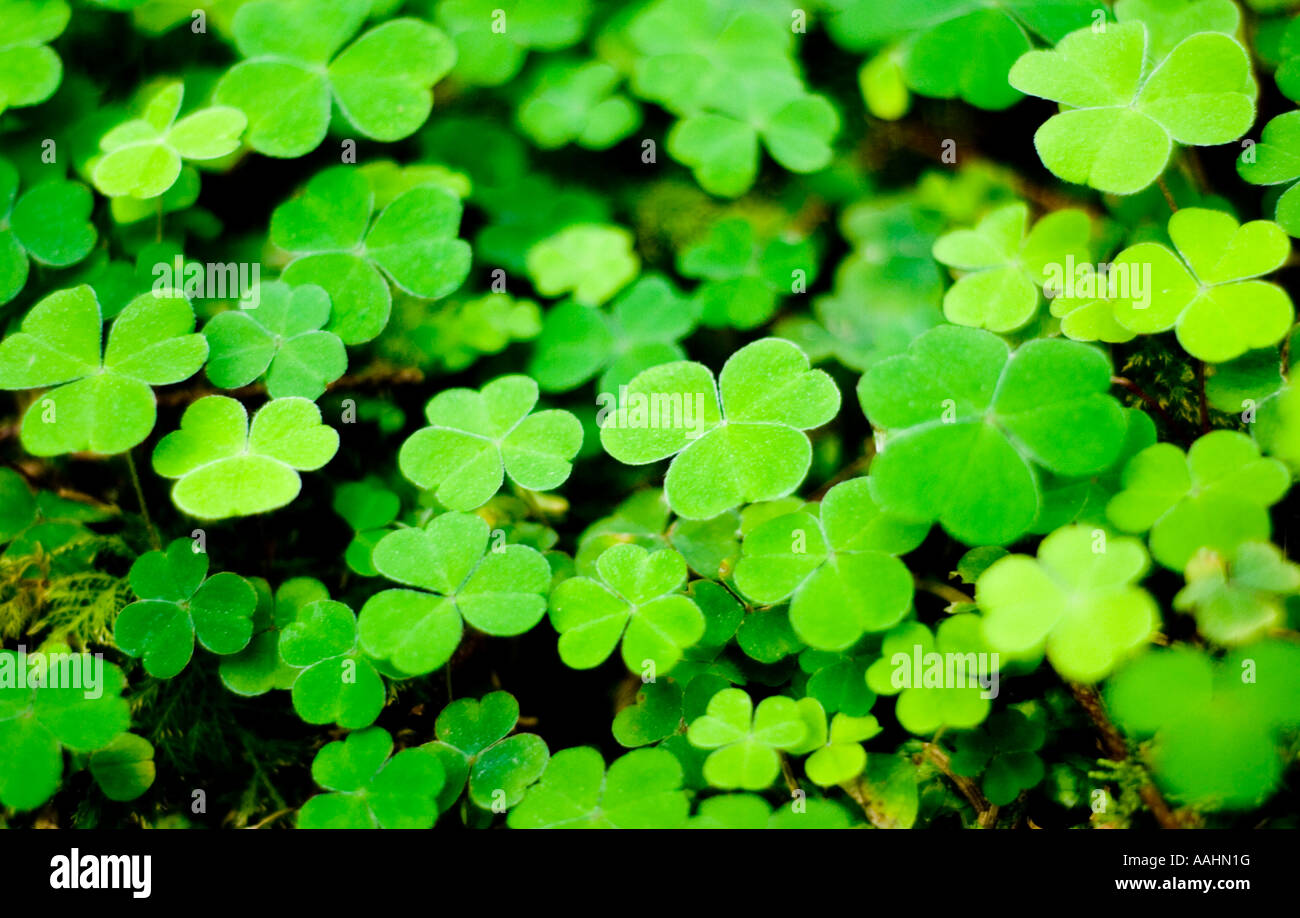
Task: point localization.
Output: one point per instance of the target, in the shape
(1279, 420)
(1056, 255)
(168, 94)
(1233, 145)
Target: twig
(1148, 400)
(1116, 749)
(986, 814)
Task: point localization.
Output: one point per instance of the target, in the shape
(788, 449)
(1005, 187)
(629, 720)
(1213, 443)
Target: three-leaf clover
(737, 440)
(746, 740)
(641, 330)
(641, 790)
(1206, 292)
(475, 745)
(591, 261)
(1078, 600)
(103, 399)
(969, 424)
(179, 604)
(1005, 751)
(293, 73)
(38, 721)
(335, 682)
(577, 103)
(933, 693)
(1005, 266)
(1122, 113)
(1214, 729)
(838, 567)
(474, 439)
(369, 508)
(227, 467)
(328, 228)
(49, 224)
(1215, 496)
(500, 590)
(258, 668)
(741, 279)
(1275, 160)
(1238, 598)
(143, 156)
(30, 71)
(637, 600)
(283, 338)
(371, 790)
(842, 757)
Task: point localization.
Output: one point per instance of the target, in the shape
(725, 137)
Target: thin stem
(1116, 749)
(1169, 197)
(1147, 399)
(986, 814)
(139, 496)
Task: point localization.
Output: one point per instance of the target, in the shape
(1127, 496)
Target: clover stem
(158, 235)
(857, 465)
(788, 773)
(139, 496)
(1115, 747)
(1169, 198)
(450, 696)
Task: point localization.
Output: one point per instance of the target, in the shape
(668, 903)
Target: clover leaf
(493, 37)
(102, 400)
(293, 73)
(1238, 598)
(969, 425)
(370, 789)
(1214, 728)
(501, 591)
(49, 224)
(1288, 71)
(838, 567)
(1004, 750)
(336, 682)
(30, 71)
(637, 601)
(328, 228)
(1122, 113)
(143, 156)
(577, 103)
(589, 260)
(476, 746)
(179, 604)
(656, 714)
(642, 790)
(1006, 266)
(282, 338)
(842, 758)
(927, 698)
(1206, 292)
(642, 330)
(741, 279)
(740, 439)
(1275, 160)
(258, 668)
(745, 740)
(1078, 601)
(124, 769)
(38, 721)
(1216, 495)
(226, 467)
(474, 439)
